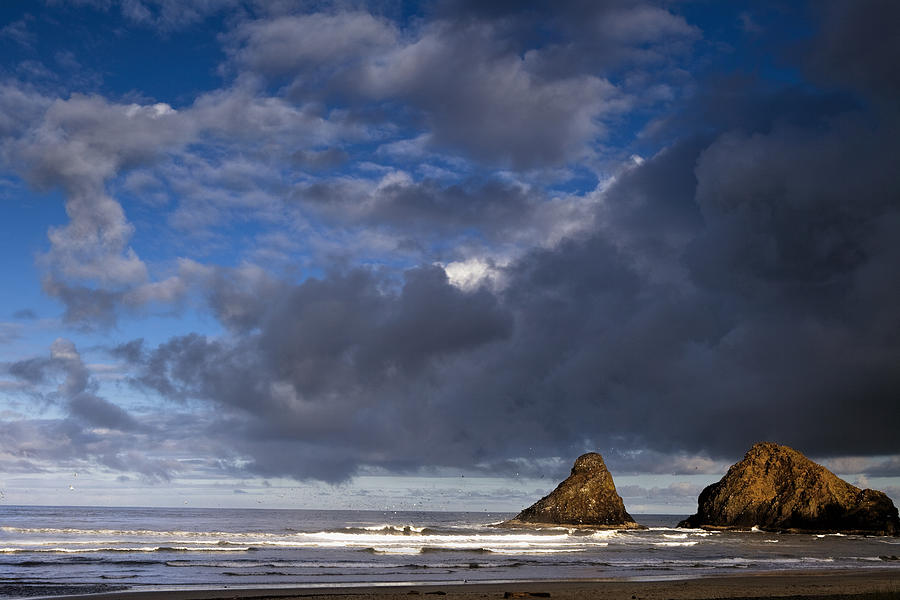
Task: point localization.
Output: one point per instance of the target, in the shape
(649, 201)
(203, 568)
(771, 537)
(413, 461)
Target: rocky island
(776, 488)
(587, 499)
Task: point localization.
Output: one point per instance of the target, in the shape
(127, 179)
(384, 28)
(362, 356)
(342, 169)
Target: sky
(420, 256)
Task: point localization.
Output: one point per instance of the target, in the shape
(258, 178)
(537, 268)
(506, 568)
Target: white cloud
(78, 145)
(471, 273)
(290, 44)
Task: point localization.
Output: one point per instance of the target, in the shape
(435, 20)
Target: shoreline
(879, 583)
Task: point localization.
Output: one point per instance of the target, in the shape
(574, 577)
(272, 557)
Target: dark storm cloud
(739, 286)
(343, 374)
(333, 371)
(345, 330)
(859, 46)
(650, 212)
(239, 297)
(769, 320)
(785, 237)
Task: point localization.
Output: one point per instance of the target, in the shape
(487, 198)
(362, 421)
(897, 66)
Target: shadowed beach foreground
(875, 584)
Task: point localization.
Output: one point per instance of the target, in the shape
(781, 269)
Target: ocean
(152, 548)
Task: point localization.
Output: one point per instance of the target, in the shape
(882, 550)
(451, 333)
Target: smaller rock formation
(775, 488)
(587, 498)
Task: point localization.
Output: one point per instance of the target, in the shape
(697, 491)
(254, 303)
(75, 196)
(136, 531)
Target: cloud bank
(737, 283)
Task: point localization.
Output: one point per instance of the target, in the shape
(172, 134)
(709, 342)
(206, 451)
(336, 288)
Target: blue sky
(402, 255)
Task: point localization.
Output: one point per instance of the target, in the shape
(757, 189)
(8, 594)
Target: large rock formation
(778, 489)
(587, 498)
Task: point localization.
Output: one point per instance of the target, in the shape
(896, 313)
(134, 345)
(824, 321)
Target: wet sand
(862, 584)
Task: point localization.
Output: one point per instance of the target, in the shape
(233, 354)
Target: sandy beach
(863, 583)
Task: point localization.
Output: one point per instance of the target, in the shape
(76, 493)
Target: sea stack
(775, 488)
(587, 498)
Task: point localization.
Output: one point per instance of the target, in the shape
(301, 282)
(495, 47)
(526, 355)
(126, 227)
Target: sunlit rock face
(587, 498)
(776, 488)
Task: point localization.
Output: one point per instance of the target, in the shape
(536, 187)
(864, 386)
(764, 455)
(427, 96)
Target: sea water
(145, 548)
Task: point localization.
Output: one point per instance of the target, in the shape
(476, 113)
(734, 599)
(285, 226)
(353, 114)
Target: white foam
(689, 530)
(398, 550)
(398, 529)
(675, 544)
(331, 539)
(517, 551)
(385, 537)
